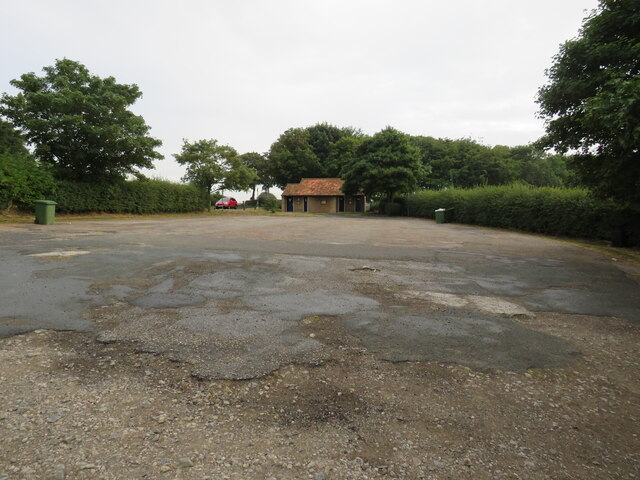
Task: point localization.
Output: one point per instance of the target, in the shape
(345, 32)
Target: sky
(245, 71)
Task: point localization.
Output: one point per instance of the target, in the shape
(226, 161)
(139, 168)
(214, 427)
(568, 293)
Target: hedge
(571, 212)
(137, 196)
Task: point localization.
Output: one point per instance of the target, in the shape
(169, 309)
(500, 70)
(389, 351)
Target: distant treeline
(324, 150)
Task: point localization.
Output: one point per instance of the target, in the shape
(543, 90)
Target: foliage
(260, 164)
(322, 138)
(572, 212)
(214, 197)
(343, 152)
(80, 123)
(466, 163)
(385, 164)
(306, 153)
(137, 196)
(210, 164)
(22, 178)
(238, 175)
(592, 101)
(269, 201)
(531, 165)
(11, 141)
(22, 181)
(291, 158)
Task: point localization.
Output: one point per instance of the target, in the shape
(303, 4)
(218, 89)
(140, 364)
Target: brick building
(320, 195)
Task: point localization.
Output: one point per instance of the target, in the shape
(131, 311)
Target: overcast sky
(244, 71)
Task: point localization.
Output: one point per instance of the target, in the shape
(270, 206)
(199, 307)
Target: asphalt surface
(239, 297)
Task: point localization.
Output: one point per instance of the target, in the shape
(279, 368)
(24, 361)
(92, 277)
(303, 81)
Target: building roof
(315, 187)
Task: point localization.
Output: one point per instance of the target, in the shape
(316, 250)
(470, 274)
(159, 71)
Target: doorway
(340, 204)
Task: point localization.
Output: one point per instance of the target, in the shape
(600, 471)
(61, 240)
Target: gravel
(76, 408)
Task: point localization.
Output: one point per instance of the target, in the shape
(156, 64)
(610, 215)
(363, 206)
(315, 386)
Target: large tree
(307, 152)
(592, 101)
(291, 158)
(385, 164)
(210, 165)
(80, 123)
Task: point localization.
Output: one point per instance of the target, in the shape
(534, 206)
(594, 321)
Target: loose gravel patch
(77, 409)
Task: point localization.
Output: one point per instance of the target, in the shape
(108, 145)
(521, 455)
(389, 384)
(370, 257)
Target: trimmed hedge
(137, 196)
(570, 212)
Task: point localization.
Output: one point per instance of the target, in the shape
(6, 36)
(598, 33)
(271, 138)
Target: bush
(571, 212)
(394, 208)
(23, 180)
(137, 196)
(269, 201)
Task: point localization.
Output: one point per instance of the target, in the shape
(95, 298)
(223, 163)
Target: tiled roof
(315, 187)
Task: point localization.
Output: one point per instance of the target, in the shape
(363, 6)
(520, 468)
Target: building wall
(322, 204)
(350, 204)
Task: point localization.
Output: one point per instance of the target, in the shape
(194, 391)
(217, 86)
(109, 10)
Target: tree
(306, 153)
(463, 163)
(238, 175)
(11, 141)
(592, 101)
(258, 163)
(385, 164)
(322, 138)
(292, 158)
(210, 164)
(342, 152)
(80, 123)
(538, 168)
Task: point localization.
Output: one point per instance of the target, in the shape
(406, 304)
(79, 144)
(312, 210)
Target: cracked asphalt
(238, 297)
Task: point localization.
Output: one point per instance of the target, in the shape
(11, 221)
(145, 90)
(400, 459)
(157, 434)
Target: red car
(227, 202)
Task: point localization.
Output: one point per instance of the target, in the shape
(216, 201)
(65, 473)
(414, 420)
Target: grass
(16, 217)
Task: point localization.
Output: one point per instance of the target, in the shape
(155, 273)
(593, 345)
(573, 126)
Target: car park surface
(430, 339)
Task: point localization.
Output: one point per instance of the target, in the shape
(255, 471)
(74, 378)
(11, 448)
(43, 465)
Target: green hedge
(138, 196)
(553, 211)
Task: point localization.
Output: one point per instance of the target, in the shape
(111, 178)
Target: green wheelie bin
(45, 212)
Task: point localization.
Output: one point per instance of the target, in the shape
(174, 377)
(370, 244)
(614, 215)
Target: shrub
(268, 200)
(137, 196)
(394, 208)
(571, 212)
(23, 180)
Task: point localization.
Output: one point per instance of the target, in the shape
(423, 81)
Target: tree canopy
(307, 152)
(592, 101)
(466, 163)
(10, 139)
(80, 123)
(385, 164)
(258, 163)
(210, 164)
